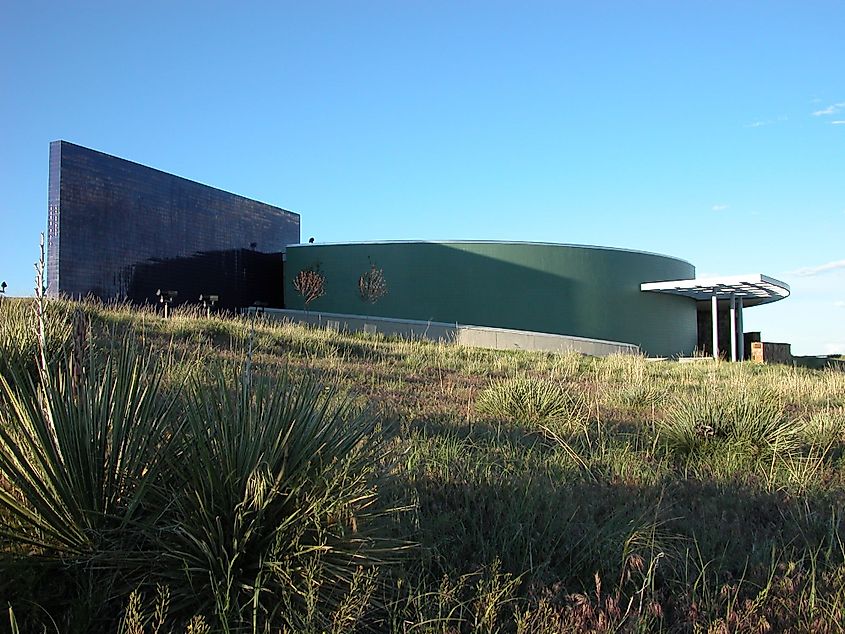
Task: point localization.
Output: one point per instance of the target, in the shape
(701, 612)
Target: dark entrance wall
(238, 277)
(705, 330)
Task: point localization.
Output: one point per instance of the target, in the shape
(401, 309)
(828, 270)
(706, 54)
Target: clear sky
(712, 131)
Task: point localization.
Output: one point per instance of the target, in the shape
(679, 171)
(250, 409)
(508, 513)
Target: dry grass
(668, 497)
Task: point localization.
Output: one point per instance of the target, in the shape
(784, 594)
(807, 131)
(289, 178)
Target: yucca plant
(530, 400)
(734, 417)
(274, 474)
(81, 446)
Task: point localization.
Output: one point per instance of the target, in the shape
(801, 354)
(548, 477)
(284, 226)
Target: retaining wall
(473, 336)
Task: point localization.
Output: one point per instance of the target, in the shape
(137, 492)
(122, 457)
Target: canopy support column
(714, 303)
(733, 327)
(740, 332)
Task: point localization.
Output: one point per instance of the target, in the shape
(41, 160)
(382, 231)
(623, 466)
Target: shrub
(533, 401)
(730, 416)
(826, 428)
(277, 481)
(646, 393)
(371, 285)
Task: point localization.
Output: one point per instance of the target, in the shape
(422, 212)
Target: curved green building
(580, 291)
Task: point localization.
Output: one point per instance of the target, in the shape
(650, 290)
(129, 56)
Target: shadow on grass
(552, 532)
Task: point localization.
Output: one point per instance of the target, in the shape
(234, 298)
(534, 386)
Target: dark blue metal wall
(117, 229)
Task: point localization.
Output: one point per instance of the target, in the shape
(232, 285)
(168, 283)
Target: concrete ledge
(472, 336)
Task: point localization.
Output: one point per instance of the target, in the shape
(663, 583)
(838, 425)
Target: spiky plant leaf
(532, 400)
(275, 473)
(730, 418)
(78, 453)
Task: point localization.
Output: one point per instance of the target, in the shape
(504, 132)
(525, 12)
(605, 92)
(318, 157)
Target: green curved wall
(571, 290)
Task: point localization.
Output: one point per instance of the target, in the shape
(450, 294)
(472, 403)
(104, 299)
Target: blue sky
(712, 131)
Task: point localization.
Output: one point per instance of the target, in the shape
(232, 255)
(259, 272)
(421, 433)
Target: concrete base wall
(473, 336)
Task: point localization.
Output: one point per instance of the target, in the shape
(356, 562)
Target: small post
(740, 328)
(259, 307)
(166, 298)
(208, 302)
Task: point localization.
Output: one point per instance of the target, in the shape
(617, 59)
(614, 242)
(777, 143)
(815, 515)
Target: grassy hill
(236, 474)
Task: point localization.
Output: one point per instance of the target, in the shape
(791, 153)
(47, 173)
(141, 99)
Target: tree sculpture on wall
(371, 285)
(310, 283)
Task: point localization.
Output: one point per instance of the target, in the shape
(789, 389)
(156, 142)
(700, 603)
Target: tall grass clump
(532, 400)
(730, 417)
(807, 388)
(630, 380)
(642, 390)
(19, 332)
(567, 365)
(278, 501)
(826, 428)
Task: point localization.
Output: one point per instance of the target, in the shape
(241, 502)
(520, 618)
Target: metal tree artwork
(311, 284)
(371, 285)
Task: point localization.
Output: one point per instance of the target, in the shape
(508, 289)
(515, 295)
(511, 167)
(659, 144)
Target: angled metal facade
(120, 230)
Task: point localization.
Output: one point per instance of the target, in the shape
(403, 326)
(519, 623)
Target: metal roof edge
(693, 288)
(514, 242)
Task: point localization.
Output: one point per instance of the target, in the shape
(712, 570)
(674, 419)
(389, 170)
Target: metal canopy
(754, 289)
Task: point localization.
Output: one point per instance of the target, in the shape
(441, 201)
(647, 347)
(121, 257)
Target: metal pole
(714, 303)
(740, 331)
(733, 327)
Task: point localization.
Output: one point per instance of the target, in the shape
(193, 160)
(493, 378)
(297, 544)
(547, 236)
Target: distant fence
(474, 336)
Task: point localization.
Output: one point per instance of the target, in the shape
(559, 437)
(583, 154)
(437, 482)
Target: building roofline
(171, 175)
(510, 242)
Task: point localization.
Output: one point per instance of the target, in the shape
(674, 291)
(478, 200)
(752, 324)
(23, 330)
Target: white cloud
(834, 347)
(831, 109)
(810, 271)
(839, 304)
(763, 122)
(719, 207)
(838, 122)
